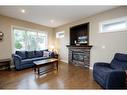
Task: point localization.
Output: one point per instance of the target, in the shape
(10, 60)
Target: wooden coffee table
(42, 63)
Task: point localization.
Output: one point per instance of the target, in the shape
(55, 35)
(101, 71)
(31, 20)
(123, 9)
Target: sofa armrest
(116, 80)
(17, 61)
(17, 57)
(102, 64)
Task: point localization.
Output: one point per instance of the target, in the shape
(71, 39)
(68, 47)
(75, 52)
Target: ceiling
(52, 16)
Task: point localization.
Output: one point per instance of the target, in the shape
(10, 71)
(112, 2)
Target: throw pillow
(46, 53)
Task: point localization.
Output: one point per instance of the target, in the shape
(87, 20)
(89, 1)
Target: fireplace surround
(79, 55)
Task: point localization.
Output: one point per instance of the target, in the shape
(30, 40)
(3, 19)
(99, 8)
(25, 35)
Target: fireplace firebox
(78, 56)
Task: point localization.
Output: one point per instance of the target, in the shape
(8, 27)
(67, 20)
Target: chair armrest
(116, 80)
(102, 64)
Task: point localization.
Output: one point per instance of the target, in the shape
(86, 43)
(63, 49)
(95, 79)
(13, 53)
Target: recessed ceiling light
(52, 21)
(23, 10)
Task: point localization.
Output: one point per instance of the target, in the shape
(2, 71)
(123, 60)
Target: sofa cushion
(38, 53)
(22, 54)
(119, 61)
(39, 58)
(30, 61)
(30, 54)
(26, 66)
(27, 61)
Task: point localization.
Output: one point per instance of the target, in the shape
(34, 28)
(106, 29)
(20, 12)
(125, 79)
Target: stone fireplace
(79, 55)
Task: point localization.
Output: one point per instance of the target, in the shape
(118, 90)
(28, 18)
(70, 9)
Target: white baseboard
(64, 61)
(12, 66)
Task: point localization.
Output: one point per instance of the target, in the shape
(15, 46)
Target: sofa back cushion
(119, 61)
(39, 53)
(30, 54)
(22, 54)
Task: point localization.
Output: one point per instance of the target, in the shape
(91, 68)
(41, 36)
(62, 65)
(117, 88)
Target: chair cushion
(22, 54)
(120, 65)
(30, 54)
(121, 57)
(119, 61)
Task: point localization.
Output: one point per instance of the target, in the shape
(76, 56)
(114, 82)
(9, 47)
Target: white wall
(5, 27)
(63, 50)
(113, 42)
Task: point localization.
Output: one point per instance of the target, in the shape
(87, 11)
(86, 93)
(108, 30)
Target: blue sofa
(24, 59)
(113, 75)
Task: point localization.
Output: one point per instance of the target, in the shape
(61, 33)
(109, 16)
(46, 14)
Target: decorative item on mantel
(77, 44)
(1, 35)
(82, 40)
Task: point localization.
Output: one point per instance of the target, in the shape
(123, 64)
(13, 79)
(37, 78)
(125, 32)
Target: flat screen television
(82, 40)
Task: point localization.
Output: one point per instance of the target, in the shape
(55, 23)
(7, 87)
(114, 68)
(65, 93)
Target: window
(19, 42)
(114, 25)
(41, 41)
(60, 34)
(29, 40)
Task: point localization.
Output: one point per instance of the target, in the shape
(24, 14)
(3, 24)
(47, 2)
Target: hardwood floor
(67, 77)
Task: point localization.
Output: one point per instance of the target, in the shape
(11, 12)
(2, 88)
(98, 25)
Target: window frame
(25, 29)
(111, 21)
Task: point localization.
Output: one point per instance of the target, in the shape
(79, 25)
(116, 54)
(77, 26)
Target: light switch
(103, 47)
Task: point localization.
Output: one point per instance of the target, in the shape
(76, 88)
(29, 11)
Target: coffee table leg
(57, 65)
(9, 67)
(35, 68)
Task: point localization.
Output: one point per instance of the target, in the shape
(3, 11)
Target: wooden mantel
(79, 46)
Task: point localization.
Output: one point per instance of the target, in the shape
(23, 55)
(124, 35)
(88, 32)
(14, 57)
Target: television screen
(82, 39)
